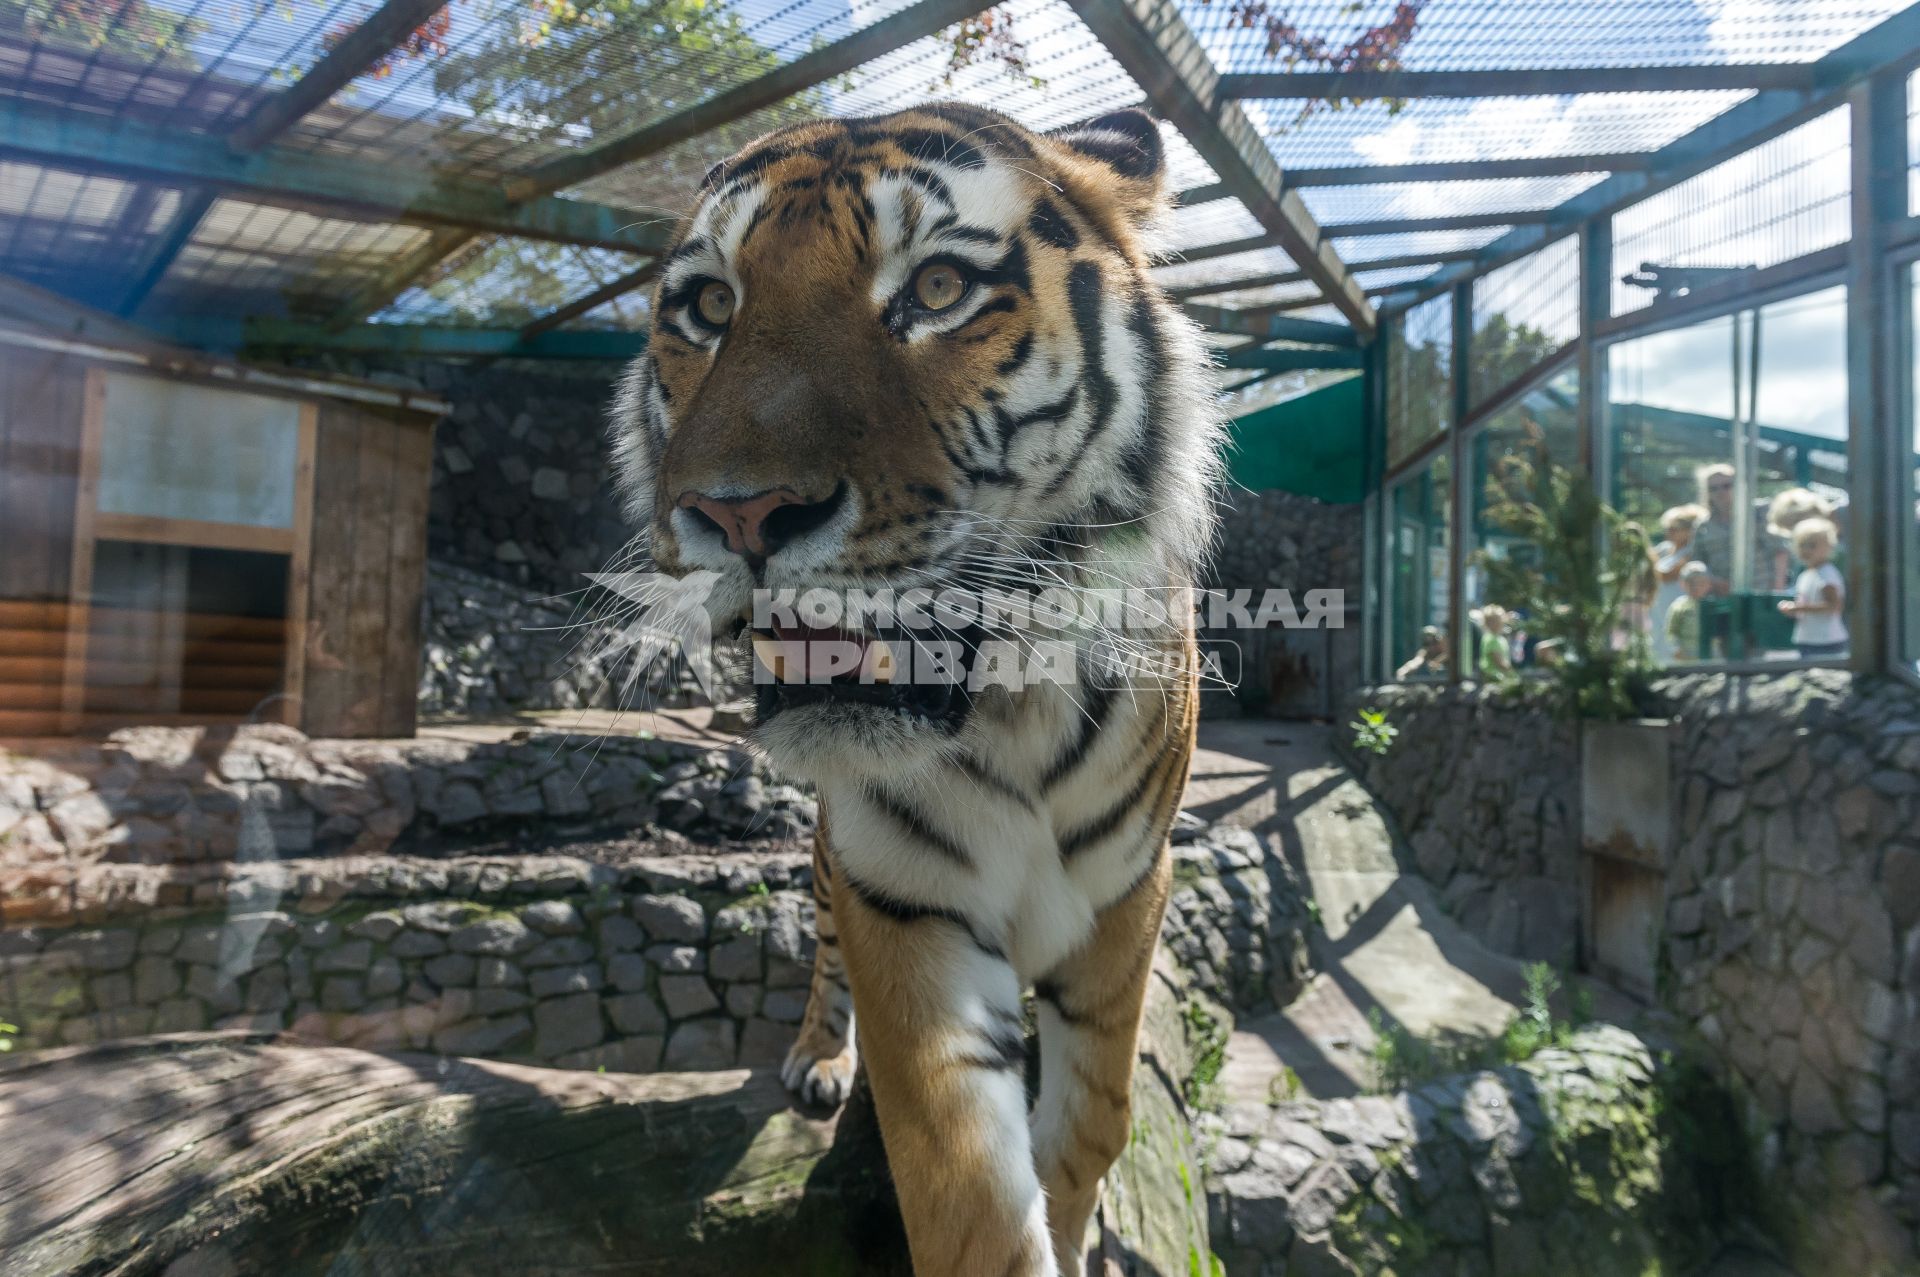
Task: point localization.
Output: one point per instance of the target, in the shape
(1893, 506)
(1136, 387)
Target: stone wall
(1237, 919)
(490, 648)
(1485, 791)
(1790, 930)
(1277, 540)
(1577, 1161)
(160, 795)
(664, 961)
(682, 963)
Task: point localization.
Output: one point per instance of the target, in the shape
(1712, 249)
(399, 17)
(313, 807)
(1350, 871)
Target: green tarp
(1313, 445)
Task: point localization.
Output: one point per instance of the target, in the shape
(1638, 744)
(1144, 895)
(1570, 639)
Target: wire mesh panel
(199, 65)
(59, 228)
(1913, 143)
(1507, 461)
(1224, 270)
(263, 260)
(1427, 35)
(1061, 75)
(1419, 376)
(1522, 313)
(505, 85)
(504, 282)
(1371, 248)
(1384, 200)
(630, 313)
(1307, 134)
(1781, 200)
(1215, 222)
(1419, 571)
(1271, 295)
(1391, 277)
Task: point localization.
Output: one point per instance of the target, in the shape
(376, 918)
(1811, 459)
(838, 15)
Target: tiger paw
(817, 1076)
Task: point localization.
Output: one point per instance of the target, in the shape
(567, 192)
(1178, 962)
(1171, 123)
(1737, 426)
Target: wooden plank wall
(371, 472)
(41, 396)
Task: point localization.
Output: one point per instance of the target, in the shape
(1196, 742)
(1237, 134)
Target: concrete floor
(1384, 944)
(693, 726)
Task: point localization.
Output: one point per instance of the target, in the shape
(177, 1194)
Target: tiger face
(915, 350)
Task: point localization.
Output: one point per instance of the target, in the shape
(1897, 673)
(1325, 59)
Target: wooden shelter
(188, 540)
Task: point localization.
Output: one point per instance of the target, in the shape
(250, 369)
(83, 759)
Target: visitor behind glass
(1682, 633)
(1819, 595)
(1669, 557)
(1430, 659)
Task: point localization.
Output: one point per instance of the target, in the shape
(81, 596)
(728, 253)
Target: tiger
(924, 349)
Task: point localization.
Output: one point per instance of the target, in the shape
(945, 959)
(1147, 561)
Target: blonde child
(1819, 594)
(1787, 511)
(1682, 631)
(1669, 557)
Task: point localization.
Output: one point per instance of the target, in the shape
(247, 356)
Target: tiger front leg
(820, 1065)
(1089, 1010)
(941, 1034)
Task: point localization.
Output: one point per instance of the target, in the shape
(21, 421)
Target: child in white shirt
(1819, 595)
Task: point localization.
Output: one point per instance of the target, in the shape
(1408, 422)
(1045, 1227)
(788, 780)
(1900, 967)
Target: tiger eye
(715, 304)
(938, 286)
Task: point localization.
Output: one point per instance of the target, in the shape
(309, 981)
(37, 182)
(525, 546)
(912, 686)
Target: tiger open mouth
(909, 676)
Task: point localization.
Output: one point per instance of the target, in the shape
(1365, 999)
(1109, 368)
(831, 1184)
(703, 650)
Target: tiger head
(917, 350)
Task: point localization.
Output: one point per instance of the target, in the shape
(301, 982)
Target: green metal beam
(1470, 170)
(1267, 325)
(598, 297)
(1153, 43)
(1529, 82)
(408, 267)
(1291, 359)
(358, 50)
(1417, 225)
(123, 147)
(805, 72)
(228, 336)
(152, 265)
(56, 315)
(1278, 278)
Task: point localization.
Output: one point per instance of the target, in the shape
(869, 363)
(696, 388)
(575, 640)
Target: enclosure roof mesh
(480, 93)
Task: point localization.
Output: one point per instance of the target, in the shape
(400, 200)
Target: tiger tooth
(878, 664)
(774, 655)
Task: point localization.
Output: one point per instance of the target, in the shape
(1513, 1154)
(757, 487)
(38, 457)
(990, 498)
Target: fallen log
(211, 1155)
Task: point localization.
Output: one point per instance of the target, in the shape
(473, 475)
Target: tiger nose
(757, 526)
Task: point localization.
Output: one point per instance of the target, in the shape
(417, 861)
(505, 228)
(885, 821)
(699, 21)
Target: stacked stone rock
(1237, 918)
(1791, 937)
(488, 647)
(160, 795)
(1565, 1163)
(1486, 793)
(676, 962)
(1278, 540)
(684, 963)
(1281, 540)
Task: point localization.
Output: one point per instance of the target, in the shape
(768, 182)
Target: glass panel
(1781, 200)
(1419, 376)
(1500, 456)
(176, 451)
(1522, 313)
(1911, 584)
(1690, 441)
(1417, 588)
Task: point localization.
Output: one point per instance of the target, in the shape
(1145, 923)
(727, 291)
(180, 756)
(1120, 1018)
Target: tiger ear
(1127, 146)
(1128, 142)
